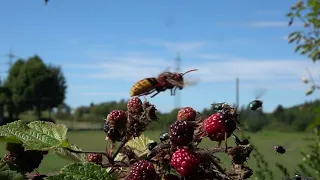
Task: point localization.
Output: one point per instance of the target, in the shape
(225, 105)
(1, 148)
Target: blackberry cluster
(142, 170)
(27, 161)
(181, 133)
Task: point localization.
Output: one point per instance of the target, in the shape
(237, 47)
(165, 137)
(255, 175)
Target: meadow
(265, 140)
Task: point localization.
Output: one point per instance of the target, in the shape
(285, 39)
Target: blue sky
(104, 47)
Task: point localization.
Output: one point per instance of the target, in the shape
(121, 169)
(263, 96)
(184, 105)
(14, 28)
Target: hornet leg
(174, 90)
(155, 94)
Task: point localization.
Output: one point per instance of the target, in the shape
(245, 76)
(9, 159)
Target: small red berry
(96, 158)
(117, 119)
(217, 125)
(134, 105)
(171, 177)
(184, 161)
(142, 170)
(187, 114)
(181, 133)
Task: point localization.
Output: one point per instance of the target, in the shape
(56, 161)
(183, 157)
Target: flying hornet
(256, 104)
(165, 80)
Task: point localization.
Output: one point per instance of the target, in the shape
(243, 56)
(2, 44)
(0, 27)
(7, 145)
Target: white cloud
(266, 24)
(121, 94)
(262, 24)
(124, 68)
(185, 46)
(286, 38)
(280, 73)
(81, 86)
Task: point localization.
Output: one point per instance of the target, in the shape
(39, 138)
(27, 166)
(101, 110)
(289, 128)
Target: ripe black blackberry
(39, 177)
(15, 149)
(30, 160)
(112, 133)
(181, 133)
(26, 161)
(171, 177)
(142, 170)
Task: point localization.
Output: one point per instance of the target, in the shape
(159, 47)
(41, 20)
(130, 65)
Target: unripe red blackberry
(117, 119)
(134, 105)
(181, 133)
(185, 162)
(96, 158)
(219, 124)
(186, 114)
(142, 170)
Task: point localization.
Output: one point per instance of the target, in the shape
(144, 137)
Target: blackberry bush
(175, 156)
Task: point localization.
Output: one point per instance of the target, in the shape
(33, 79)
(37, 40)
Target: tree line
(296, 118)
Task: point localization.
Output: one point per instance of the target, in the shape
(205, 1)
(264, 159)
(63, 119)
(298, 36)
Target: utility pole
(1, 107)
(178, 69)
(237, 92)
(11, 56)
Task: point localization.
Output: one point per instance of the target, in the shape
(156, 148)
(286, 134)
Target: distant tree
(34, 85)
(278, 113)
(15, 102)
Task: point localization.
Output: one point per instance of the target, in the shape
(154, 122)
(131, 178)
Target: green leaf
(298, 47)
(66, 154)
(83, 171)
(37, 135)
(139, 145)
(11, 175)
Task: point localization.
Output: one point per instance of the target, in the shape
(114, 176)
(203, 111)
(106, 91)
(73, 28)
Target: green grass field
(295, 142)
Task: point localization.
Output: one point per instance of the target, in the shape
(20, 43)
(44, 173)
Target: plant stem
(87, 152)
(119, 148)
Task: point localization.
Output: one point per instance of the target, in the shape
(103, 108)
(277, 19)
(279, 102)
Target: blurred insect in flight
(298, 176)
(279, 149)
(165, 80)
(218, 106)
(256, 104)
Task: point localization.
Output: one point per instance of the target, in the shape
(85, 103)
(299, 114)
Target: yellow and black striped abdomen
(143, 86)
